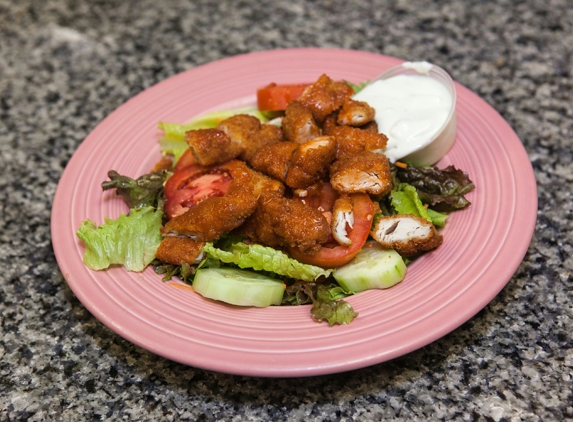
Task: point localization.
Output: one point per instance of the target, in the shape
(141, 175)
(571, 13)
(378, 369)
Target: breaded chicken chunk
(355, 113)
(342, 219)
(325, 96)
(212, 146)
(216, 216)
(239, 128)
(266, 135)
(310, 162)
(371, 127)
(351, 140)
(281, 222)
(298, 124)
(274, 160)
(176, 250)
(409, 235)
(366, 172)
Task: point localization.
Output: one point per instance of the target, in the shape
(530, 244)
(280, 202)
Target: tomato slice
(336, 256)
(193, 184)
(320, 196)
(275, 97)
(185, 160)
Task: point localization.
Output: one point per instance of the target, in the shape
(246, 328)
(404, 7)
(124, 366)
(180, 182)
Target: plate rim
(332, 367)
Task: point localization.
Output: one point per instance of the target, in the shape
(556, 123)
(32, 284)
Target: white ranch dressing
(410, 110)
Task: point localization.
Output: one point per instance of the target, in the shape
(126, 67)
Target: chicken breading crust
(325, 96)
(310, 162)
(298, 123)
(355, 113)
(176, 250)
(366, 172)
(409, 235)
(352, 140)
(274, 160)
(281, 222)
(216, 216)
(212, 146)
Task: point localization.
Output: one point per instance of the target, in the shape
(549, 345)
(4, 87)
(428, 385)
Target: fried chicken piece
(266, 135)
(366, 172)
(371, 127)
(240, 127)
(330, 122)
(274, 160)
(352, 140)
(409, 235)
(212, 146)
(310, 161)
(176, 250)
(325, 96)
(164, 163)
(281, 222)
(216, 216)
(342, 217)
(355, 113)
(298, 124)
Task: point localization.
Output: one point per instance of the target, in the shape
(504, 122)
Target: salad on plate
(291, 202)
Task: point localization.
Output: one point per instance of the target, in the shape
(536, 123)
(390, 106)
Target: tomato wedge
(191, 185)
(320, 196)
(336, 256)
(275, 97)
(185, 160)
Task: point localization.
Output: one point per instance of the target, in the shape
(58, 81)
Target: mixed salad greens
(253, 274)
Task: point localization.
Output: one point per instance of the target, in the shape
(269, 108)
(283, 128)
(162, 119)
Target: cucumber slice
(238, 287)
(373, 268)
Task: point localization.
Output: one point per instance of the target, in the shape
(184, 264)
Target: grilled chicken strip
(366, 172)
(409, 235)
(310, 162)
(298, 124)
(355, 113)
(281, 222)
(215, 216)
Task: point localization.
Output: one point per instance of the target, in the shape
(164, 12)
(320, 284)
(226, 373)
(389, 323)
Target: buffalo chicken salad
(291, 202)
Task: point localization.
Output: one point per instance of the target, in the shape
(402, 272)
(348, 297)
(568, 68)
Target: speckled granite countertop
(65, 65)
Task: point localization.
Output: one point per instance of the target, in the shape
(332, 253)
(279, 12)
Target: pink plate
(483, 245)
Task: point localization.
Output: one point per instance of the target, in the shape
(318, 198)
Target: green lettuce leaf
(327, 307)
(405, 200)
(130, 240)
(145, 191)
(263, 258)
(438, 218)
(357, 87)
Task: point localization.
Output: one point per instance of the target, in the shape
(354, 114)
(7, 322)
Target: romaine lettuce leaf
(263, 258)
(405, 200)
(130, 240)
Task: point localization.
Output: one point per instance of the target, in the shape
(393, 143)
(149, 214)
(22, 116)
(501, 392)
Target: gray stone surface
(65, 65)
